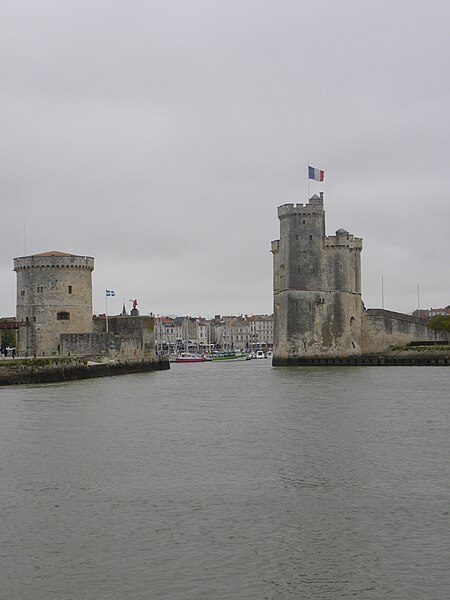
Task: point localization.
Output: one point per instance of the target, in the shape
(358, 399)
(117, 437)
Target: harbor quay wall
(56, 369)
(400, 359)
(383, 329)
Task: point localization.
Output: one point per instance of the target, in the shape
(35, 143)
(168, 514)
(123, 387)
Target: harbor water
(228, 481)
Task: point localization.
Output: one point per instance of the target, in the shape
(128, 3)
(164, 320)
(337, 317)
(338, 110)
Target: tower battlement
(54, 260)
(314, 206)
(343, 239)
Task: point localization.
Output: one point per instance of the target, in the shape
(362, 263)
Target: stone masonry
(318, 309)
(54, 296)
(317, 285)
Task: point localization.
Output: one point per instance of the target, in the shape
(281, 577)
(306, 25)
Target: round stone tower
(54, 296)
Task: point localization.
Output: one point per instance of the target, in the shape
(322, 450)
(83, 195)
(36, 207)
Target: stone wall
(53, 369)
(128, 339)
(383, 329)
(93, 345)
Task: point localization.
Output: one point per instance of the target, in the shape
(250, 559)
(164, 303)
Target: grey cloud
(159, 137)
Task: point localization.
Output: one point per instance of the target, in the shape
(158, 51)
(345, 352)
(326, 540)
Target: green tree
(8, 338)
(440, 323)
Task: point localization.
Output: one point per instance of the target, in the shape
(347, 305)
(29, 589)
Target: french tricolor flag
(316, 174)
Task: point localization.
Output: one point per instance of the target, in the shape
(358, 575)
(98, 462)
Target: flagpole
(106, 311)
(307, 169)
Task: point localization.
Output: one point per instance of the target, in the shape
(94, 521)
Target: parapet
(54, 259)
(343, 238)
(315, 206)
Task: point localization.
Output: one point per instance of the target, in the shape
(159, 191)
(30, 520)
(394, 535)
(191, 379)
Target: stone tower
(317, 286)
(54, 296)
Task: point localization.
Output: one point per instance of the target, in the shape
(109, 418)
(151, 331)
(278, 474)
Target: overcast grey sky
(160, 136)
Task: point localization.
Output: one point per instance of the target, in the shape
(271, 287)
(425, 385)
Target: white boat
(187, 357)
(260, 354)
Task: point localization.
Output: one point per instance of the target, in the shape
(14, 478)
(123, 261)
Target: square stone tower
(54, 296)
(317, 286)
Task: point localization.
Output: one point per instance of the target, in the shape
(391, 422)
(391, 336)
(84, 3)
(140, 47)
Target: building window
(40, 290)
(63, 316)
(310, 237)
(22, 293)
(69, 289)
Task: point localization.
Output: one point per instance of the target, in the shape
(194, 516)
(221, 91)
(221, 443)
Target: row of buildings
(249, 333)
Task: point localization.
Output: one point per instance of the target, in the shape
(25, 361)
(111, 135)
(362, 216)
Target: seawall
(401, 358)
(55, 369)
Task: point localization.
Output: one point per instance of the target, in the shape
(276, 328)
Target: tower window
(310, 237)
(22, 293)
(69, 289)
(40, 290)
(63, 316)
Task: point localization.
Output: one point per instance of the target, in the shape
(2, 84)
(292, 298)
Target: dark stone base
(427, 359)
(54, 370)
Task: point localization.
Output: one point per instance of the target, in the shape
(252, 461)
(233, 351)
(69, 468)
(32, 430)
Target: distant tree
(8, 338)
(440, 323)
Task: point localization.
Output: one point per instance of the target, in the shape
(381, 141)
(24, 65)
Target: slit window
(69, 289)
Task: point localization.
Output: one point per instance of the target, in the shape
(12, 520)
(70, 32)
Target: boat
(228, 356)
(260, 354)
(187, 357)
